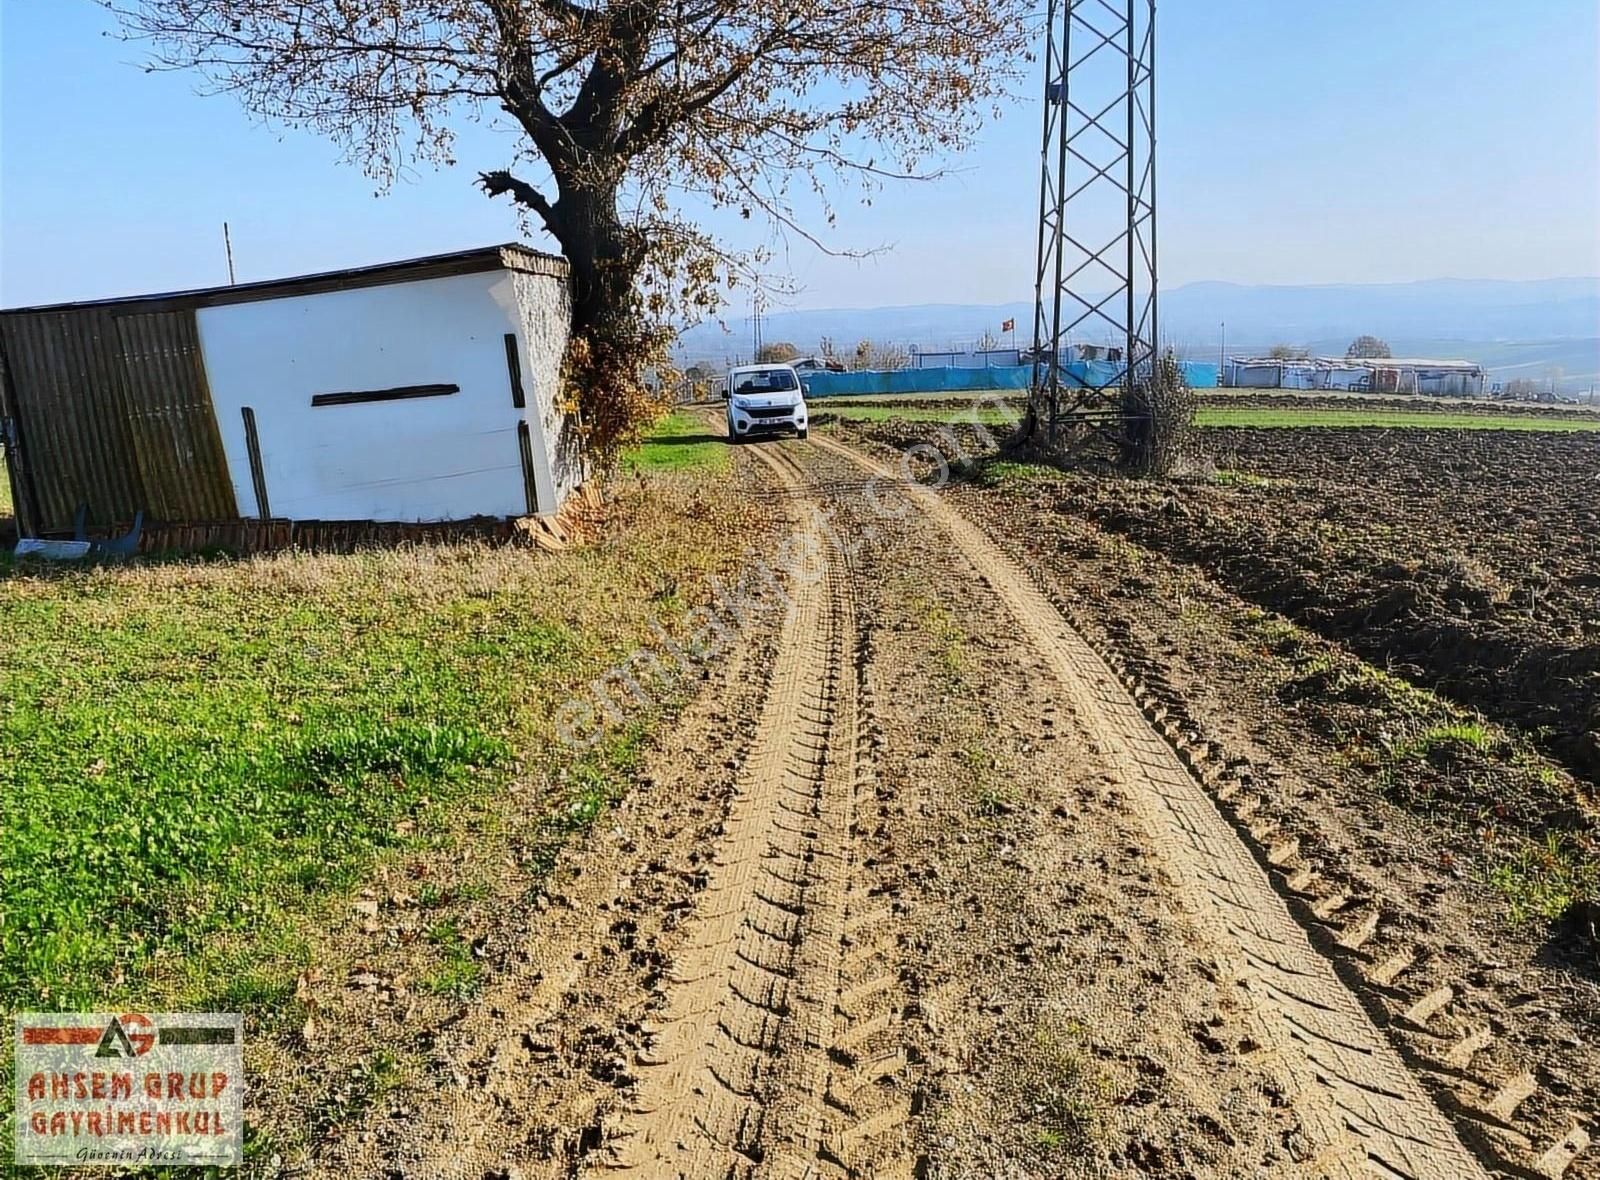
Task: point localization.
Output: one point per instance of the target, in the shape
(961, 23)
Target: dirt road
(918, 889)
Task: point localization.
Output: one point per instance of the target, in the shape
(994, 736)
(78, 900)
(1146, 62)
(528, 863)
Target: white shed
(415, 391)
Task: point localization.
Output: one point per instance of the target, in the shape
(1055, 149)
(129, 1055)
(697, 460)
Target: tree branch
(500, 182)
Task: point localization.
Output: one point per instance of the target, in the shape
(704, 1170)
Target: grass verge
(189, 753)
(680, 442)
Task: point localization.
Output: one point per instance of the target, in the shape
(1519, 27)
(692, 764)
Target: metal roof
(1329, 362)
(508, 256)
(1385, 362)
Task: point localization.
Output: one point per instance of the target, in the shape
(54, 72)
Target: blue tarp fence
(996, 378)
(917, 381)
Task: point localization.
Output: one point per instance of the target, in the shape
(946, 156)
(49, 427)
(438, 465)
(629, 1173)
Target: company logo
(131, 1088)
(130, 1035)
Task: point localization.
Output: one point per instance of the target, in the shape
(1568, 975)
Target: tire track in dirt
(1440, 1027)
(1367, 1111)
(854, 1089)
(869, 1087)
(745, 1074)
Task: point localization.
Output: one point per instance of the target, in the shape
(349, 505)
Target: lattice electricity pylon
(1096, 279)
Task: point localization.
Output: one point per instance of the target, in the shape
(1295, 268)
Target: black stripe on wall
(514, 367)
(530, 486)
(258, 473)
(399, 393)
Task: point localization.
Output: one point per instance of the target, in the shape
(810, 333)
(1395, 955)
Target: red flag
(1009, 326)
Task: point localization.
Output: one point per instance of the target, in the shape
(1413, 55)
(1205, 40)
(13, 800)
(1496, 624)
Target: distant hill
(1442, 309)
(1523, 329)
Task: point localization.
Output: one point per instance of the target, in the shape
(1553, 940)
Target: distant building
(1439, 378)
(969, 358)
(1396, 376)
(1264, 373)
(1344, 376)
(815, 364)
(1094, 352)
(424, 390)
(983, 358)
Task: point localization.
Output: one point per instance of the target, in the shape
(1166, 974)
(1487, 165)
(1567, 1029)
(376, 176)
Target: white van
(764, 399)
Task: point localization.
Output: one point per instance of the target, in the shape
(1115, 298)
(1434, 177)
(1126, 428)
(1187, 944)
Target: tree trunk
(611, 346)
(595, 243)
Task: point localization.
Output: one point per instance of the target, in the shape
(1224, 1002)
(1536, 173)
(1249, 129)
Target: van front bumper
(767, 420)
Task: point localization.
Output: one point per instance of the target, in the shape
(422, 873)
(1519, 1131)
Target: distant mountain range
(1541, 329)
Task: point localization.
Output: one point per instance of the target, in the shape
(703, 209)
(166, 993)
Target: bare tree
(618, 106)
(1368, 348)
(878, 357)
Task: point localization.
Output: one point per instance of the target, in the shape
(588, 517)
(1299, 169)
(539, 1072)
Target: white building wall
(446, 457)
(541, 309)
(1247, 376)
(1450, 382)
(1298, 376)
(1343, 377)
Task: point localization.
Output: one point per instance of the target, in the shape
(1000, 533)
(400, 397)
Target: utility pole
(227, 245)
(1096, 266)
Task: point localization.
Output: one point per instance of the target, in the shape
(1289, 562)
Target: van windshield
(766, 381)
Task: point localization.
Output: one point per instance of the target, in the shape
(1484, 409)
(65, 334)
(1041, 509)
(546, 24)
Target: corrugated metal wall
(113, 411)
(174, 428)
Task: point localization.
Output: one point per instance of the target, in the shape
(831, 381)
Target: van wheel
(802, 433)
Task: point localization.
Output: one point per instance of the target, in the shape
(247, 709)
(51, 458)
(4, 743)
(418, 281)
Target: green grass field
(189, 755)
(1246, 417)
(195, 756)
(198, 759)
(679, 442)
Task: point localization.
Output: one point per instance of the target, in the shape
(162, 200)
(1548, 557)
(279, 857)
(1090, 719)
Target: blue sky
(1362, 141)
